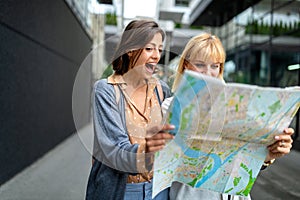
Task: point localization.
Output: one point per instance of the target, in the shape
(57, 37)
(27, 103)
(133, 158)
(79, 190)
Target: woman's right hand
(157, 136)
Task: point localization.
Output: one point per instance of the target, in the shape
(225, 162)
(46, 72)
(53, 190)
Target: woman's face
(208, 67)
(150, 56)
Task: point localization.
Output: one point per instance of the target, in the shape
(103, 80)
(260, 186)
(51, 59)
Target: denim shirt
(115, 155)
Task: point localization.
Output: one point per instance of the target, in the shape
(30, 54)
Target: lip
(150, 67)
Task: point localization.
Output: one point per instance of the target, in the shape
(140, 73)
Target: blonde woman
(205, 54)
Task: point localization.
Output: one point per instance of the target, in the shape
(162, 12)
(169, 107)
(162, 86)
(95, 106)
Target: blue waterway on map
(184, 98)
(191, 89)
(216, 163)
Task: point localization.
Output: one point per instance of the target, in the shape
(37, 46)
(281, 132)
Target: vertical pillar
(168, 26)
(98, 54)
(269, 71)
(167, 55)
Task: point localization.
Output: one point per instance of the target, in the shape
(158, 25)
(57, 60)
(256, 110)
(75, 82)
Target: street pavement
(60, 175)
(63, 172)
(280, 181)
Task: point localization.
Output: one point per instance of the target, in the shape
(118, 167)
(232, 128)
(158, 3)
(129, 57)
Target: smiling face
(150, 56)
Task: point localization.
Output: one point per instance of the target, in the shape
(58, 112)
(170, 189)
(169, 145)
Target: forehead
(156, 40)
(205, 57)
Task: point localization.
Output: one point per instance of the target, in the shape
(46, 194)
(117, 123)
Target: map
(222, 131)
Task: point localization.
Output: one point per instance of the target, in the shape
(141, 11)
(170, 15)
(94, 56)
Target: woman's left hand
(281, 146)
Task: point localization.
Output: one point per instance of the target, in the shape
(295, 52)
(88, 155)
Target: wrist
(267, 164)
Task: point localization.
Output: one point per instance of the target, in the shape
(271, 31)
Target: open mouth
(150, 67)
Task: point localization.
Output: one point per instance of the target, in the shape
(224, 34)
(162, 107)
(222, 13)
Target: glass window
(184, 3)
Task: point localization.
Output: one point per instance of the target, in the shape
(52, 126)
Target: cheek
(215, 73)
(142, 60)
(193, 68)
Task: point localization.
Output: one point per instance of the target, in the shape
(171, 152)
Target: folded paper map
(222, 131)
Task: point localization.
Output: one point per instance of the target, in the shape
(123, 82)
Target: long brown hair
(136, 35)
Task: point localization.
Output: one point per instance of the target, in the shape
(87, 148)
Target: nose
(204, 70)
(156, 54)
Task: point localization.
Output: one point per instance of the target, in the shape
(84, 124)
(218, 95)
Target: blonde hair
(204, 46)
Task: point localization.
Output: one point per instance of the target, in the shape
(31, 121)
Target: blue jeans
(143, 191)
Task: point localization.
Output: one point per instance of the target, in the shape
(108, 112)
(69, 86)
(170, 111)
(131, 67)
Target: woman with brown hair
(127, 118)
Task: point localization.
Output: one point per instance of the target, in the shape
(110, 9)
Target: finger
(278, 144)
(167, 136)
(153, 143)
(157, 136)
(167, 127)
(281, 149)
(154, 130)
(155, 148)
(284, 137)
(274, 145)
(159, 129)
(160, 136)
(287, 139)
(289, 131)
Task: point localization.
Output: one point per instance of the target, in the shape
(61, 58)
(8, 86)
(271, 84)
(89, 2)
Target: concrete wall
(41, 48)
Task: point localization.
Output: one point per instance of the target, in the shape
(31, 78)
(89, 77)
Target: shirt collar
(115, 79)
(118, 79)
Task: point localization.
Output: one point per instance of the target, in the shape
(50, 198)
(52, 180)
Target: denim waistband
(138, 191)
(143, 185)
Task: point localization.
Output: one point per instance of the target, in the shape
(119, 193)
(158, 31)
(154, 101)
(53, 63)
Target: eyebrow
(153, 44)
(205, 62)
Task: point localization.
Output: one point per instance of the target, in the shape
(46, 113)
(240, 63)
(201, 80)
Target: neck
(134, 80)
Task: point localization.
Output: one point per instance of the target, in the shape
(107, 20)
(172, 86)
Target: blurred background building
(261, 37)
(45, 44)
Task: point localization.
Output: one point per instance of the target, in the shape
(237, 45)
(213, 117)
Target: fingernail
(172, 126)
(276, 137)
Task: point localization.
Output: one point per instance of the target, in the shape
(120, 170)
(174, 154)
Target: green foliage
(279, 28)
(178, 25)
(107, 72)
(197, 27)
(111, 18)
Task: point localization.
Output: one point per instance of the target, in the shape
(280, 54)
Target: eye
(215, 66)
(160, 50)
(200, 65)
(148, 48)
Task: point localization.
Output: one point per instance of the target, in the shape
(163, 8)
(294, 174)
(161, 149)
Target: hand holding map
(222, 131)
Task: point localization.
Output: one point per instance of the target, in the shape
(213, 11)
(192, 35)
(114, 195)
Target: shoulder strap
(158, 96)
(117, 92)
